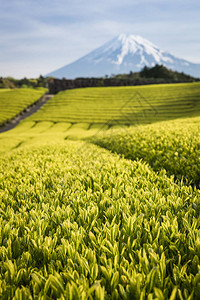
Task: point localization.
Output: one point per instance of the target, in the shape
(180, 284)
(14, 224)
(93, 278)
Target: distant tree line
(158, 73)
(12, 83)
(154, 75)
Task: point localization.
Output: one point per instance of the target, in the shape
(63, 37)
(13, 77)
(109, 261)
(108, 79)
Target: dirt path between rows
(29, 111)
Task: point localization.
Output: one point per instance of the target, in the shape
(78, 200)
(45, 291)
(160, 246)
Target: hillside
(80, 113)
(170, 145)
(123, 54)
(78, 221)
(122, 105)
(15, 101)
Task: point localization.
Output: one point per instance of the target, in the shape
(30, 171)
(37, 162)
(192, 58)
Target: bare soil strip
(25, 114)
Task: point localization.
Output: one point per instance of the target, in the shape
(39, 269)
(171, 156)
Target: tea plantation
(15, 101)
(172, 145)
(122, 105)
(115, 220)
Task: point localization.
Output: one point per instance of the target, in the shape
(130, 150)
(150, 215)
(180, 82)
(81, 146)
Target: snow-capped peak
(122, 54)
(135, 43)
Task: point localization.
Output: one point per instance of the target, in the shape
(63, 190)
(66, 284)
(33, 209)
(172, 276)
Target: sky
(40, 36)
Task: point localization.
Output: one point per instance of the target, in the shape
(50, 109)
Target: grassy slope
(77, 220)
(80, 222)
(13, 102)
(122, 105)
(170, 145)
(85, 112)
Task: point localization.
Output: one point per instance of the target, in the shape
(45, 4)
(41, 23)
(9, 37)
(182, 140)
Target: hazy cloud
(37, 37)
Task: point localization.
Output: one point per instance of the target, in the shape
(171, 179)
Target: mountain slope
(123, 54)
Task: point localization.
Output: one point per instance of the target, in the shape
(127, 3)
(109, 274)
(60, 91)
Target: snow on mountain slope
(123, 54)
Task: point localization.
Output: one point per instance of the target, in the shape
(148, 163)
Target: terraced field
(80, 113)
(78, 221)
(122, 105)
(15, 101)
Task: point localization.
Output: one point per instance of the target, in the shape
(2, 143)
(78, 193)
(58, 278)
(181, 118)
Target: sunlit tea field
(170, 145)
(122, 105)
(99, 199)
(15, 101)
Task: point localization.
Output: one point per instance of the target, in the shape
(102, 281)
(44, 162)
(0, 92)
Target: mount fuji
(123, 54)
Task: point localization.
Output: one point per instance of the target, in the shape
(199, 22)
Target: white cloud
(49, 34)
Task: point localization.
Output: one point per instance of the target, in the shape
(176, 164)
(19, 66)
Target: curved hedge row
(81, 223)
(173, 146)
(15, 101)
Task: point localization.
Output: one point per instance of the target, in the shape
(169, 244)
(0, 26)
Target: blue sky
(39, 36)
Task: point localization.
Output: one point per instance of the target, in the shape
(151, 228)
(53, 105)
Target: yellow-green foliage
(77, 222)
(173, 146)
(122, 105)
(85, 112)
(13, 102)
(30, 132)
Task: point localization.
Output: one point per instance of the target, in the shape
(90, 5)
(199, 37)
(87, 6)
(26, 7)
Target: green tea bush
(77, 222)
(122, 105)
(15, 101)
(173, 146)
